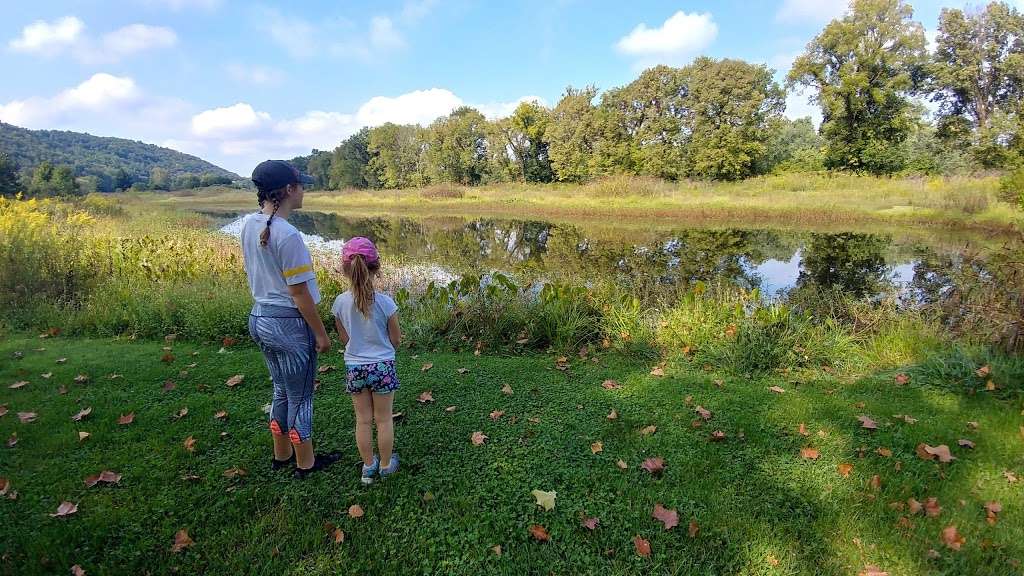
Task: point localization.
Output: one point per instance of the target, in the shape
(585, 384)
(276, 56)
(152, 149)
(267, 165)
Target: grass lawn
(757, 506)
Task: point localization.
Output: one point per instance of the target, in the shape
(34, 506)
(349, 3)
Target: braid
(265, 235)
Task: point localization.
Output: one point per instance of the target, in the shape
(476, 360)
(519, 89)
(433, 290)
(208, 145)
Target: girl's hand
(323, 343)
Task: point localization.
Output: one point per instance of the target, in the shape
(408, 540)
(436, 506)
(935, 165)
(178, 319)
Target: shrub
(1011, 188)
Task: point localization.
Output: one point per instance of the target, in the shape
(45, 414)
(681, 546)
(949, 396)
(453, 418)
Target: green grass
(815, 201)
(761, 508)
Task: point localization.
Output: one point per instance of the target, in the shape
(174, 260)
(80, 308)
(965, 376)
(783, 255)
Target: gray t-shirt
(285, 261)
(368, 340)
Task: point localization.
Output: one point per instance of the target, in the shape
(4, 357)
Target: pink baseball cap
(359, 245)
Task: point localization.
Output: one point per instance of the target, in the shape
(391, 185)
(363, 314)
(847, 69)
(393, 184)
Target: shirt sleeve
(388, 306)
(296, 263)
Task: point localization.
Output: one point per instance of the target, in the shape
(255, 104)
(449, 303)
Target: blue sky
(238, 82)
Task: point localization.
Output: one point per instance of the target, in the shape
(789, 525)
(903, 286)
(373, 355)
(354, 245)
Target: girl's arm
(304, 301)
(394, 332)
(342, 334)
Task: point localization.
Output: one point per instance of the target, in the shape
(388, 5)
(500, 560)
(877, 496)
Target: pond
(650, 261)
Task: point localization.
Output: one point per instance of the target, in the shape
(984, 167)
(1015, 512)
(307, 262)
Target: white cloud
(417, 107)
(931, 38)
(178, 5)
(102, 93)
(45, 38)
(383, 35)
(233, 120)
(295, 35)
(496, 110)
(415, 10)
(679, 38)
(798, 105)
(67, 36)
(810, 11)
(255, 75)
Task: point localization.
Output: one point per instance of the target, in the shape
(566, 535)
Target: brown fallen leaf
(450, 409)
(670, 518)
(643, 547)
(235, 380)
(940, 452)
(717, 436)
(18, 384)
(462, 370)
(693, 529)
(427, 366)
(867, 422)
(325, 369)
(77, 570)
(190, 444)
(992, 508)
(1010, 476)
(704, 412)
(62, 389)
(234, 472)
(81, 379)
(590, 523)
(776, 389)
(478, 438)
(913, 506)
(355, 511)
(5, 485)
(181, 413)
(27, 417)
(495, 549)
(884, 452)
(506, 390)
(932, 508)
(983, 371)
(621, 464)
(845, 469)
(336, 535)
(875, 483)
(657, 371)
(653, 465)
(611, 385)
(902, 378)
(220, 414)
(3, 410)
(965, 443)
(181, 541)
(906, 418)
(12, 440)
(810, 453)
(614, 414)
(65, 509)
(497, 414)
(872, 571)
(802, 430)
(82, 436)
(539, 533)
(951, 538)
(126, 419)
(648, 430)
(425, 396)
(597, 447)
(81, 414)
(106, 476)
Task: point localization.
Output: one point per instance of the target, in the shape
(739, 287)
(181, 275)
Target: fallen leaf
(82, 414)
(126, 418)
(478, 438)
(1010, 476)
(181, 541)
(82, 436)
(777, 389)
(875, 483)
(965, 443)
(427, 366)
(65, 509)
(992, 508)
(717, 436)
(810, 453)
(621, 464)
(657, 371)
(867, 422)
(3, 410)
(450, 409)
(539, 533)
(906, 418)
(325, 369)
(802, 430)
(902, 378)
(596, 447)
(61, 360)
(648, 430)
(653, 465)
(972, 425)
(337, 535)
(181, 413)
(643, 547)
(462, 370)
(940, 452)
(190, 444)
(885, 452)
(590, 523)
(613, 414)
(235, 380)
(169, 385)
(5, 485)
(951, 538)
(355, 511)
(913, 506)
(932, 508)
(872, 571)
(234, 472)
(27, 417)
(81, 379)
(704, 412)
(506, 390)
(845, 469)
(77, 570)
(693, 529)
(611, 385)
(670, 518)
(497, 414)
(425, 396)
(18, 384)
(496, 549)
(221, 414)
(545, 500)
(983, 371)
(107, 477)
(12, 440)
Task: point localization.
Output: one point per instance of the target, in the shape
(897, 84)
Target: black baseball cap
(274, 174)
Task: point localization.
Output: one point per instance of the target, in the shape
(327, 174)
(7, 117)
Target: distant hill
(99, 156)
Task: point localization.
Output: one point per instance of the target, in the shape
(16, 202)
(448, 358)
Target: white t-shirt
(368, 340)
(285, 261)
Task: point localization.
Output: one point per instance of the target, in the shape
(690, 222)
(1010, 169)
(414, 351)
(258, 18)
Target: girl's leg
(362, 403)
(382, 405)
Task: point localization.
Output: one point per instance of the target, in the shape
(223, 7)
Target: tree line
(870, 71)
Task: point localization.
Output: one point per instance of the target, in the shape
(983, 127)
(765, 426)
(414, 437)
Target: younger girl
(367, 322)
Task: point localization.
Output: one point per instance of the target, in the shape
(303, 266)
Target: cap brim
(305, 179)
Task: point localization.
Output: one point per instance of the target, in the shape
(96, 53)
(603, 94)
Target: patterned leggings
(289, 347)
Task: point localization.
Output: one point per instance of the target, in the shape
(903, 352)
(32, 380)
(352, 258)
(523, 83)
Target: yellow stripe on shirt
(298, 270)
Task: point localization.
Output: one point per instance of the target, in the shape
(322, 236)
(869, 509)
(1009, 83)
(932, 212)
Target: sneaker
(320, 462)
(369, 471)
(391, 468)
(276, 464)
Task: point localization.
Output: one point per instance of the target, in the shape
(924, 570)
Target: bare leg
(282, 448)
(304, 455)
(362, 403)
(382, 404)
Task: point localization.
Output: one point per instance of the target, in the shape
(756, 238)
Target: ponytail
(361, 276)
(274, 196)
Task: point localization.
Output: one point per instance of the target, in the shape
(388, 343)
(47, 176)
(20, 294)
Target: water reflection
(650, 263)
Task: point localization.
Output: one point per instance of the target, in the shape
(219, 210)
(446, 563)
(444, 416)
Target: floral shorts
(379, 377)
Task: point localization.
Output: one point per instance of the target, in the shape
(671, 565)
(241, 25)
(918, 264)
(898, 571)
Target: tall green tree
(395, 155)
(518, 143)
(319, 167)
(123, 180)
(862, 68)
(457, 147)
(794, 145)
(977, 78)
(39, 185)
(572, 134)
(10, 184)
(159, 179)
(350, 160)
(62, 182)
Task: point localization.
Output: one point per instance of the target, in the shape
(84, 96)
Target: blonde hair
(361, 274)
